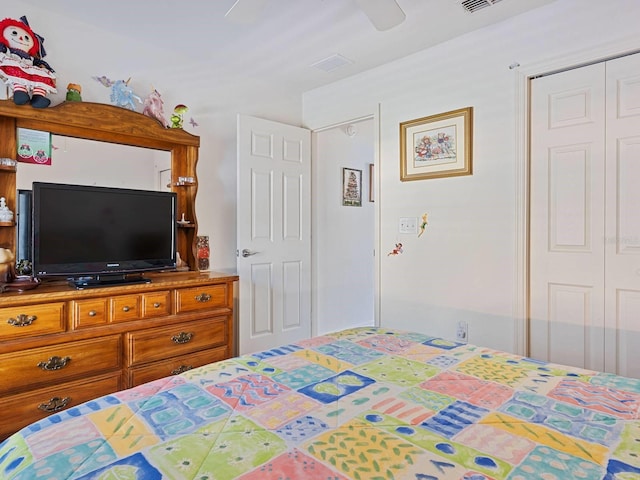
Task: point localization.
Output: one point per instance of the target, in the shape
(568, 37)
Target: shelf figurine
(154, 107)
(177, 119)
(74, 92)
(6, 215)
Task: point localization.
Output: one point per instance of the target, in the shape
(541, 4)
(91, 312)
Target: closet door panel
(566, 317)
(622, 245)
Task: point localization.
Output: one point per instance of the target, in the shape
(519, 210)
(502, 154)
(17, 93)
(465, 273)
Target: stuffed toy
(74, 93)
(21, 64)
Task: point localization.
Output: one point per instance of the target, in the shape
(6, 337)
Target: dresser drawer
(156, 304)
(201, 298)
(165, 342)
(125, 307)
(90, 312)
(59, 362)
(32, 320)
(25, 408)
(175, 366)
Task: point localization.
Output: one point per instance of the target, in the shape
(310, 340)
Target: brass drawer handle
(54, 363)
(54, 405)
(181, 369)
(203, 297)
(22, 320)
(157, 305)
(182, 337)
(126, 308)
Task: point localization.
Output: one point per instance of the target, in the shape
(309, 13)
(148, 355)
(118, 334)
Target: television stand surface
(106, 280)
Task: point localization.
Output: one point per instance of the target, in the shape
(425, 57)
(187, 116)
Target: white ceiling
(280, 48)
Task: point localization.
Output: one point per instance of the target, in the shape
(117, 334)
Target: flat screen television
(97, 236)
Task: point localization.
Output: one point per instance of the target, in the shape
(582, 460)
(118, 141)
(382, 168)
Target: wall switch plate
(408, 225)
(462, 332)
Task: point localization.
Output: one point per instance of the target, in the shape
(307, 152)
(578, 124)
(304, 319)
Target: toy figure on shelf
(121, 94)
(177, 119)
(21, 64)
(154, 107)
(74, 92)
(6, 215)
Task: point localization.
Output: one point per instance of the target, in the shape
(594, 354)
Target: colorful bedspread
(358, 404)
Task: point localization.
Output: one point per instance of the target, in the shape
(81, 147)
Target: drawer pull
(126, 308)
(55, 404)
(182, 337)
(157, 305)
(54, 363)
(22, 320)
(203, 297)
(92, 313)
(181, 369)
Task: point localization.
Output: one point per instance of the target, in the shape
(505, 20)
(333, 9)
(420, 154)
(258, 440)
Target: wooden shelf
(105, 123)
(7, 224)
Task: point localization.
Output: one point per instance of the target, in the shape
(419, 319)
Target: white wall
(464, 266)
(343, 236)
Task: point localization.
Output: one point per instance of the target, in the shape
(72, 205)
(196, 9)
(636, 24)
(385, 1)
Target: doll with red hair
(21, 64)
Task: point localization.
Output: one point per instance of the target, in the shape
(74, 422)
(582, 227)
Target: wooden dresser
(60, 347)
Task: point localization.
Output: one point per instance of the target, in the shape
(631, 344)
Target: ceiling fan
(383, 14)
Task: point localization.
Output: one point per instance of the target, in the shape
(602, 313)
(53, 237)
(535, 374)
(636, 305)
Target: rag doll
(21, 64)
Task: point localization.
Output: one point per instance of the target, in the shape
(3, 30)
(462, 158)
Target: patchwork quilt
(363, 403)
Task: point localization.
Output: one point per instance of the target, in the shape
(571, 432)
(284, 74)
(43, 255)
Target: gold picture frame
(437, 146)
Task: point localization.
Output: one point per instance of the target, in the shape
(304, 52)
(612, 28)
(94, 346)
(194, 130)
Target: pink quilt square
(470, 389)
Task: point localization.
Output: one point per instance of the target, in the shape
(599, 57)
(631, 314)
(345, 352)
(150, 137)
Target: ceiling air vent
(332, 62)
(475, 5)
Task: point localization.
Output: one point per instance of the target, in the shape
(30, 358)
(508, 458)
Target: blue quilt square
(336, 387)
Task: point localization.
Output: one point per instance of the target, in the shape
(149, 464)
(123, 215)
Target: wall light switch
(408, 225)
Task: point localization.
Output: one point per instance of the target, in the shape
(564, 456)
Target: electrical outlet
(462, 332)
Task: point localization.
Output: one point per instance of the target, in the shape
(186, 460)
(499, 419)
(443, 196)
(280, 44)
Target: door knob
(247, 253)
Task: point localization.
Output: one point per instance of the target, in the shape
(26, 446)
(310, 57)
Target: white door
(567, 218)
(584, 228)
(622, 228)
(274, 233)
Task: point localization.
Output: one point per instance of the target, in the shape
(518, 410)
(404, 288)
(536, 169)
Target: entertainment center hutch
(60, 346)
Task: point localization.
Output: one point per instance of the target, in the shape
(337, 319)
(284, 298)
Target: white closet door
(622, 245)
(566, 304)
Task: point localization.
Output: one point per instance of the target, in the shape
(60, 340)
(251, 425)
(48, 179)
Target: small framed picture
(351, 187)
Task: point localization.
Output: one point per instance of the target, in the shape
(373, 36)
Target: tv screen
(89, 231)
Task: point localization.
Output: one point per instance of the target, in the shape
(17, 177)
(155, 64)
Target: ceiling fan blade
(245, 11)
(384, 14)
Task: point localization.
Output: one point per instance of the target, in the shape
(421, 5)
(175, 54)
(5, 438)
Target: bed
(363, 403)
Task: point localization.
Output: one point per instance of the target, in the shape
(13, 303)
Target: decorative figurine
(121, 94)
(6, 215)
(203, 252)
(74, 93)
(7, 267)
(21, 64)
(177, 116)
(153, 107)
